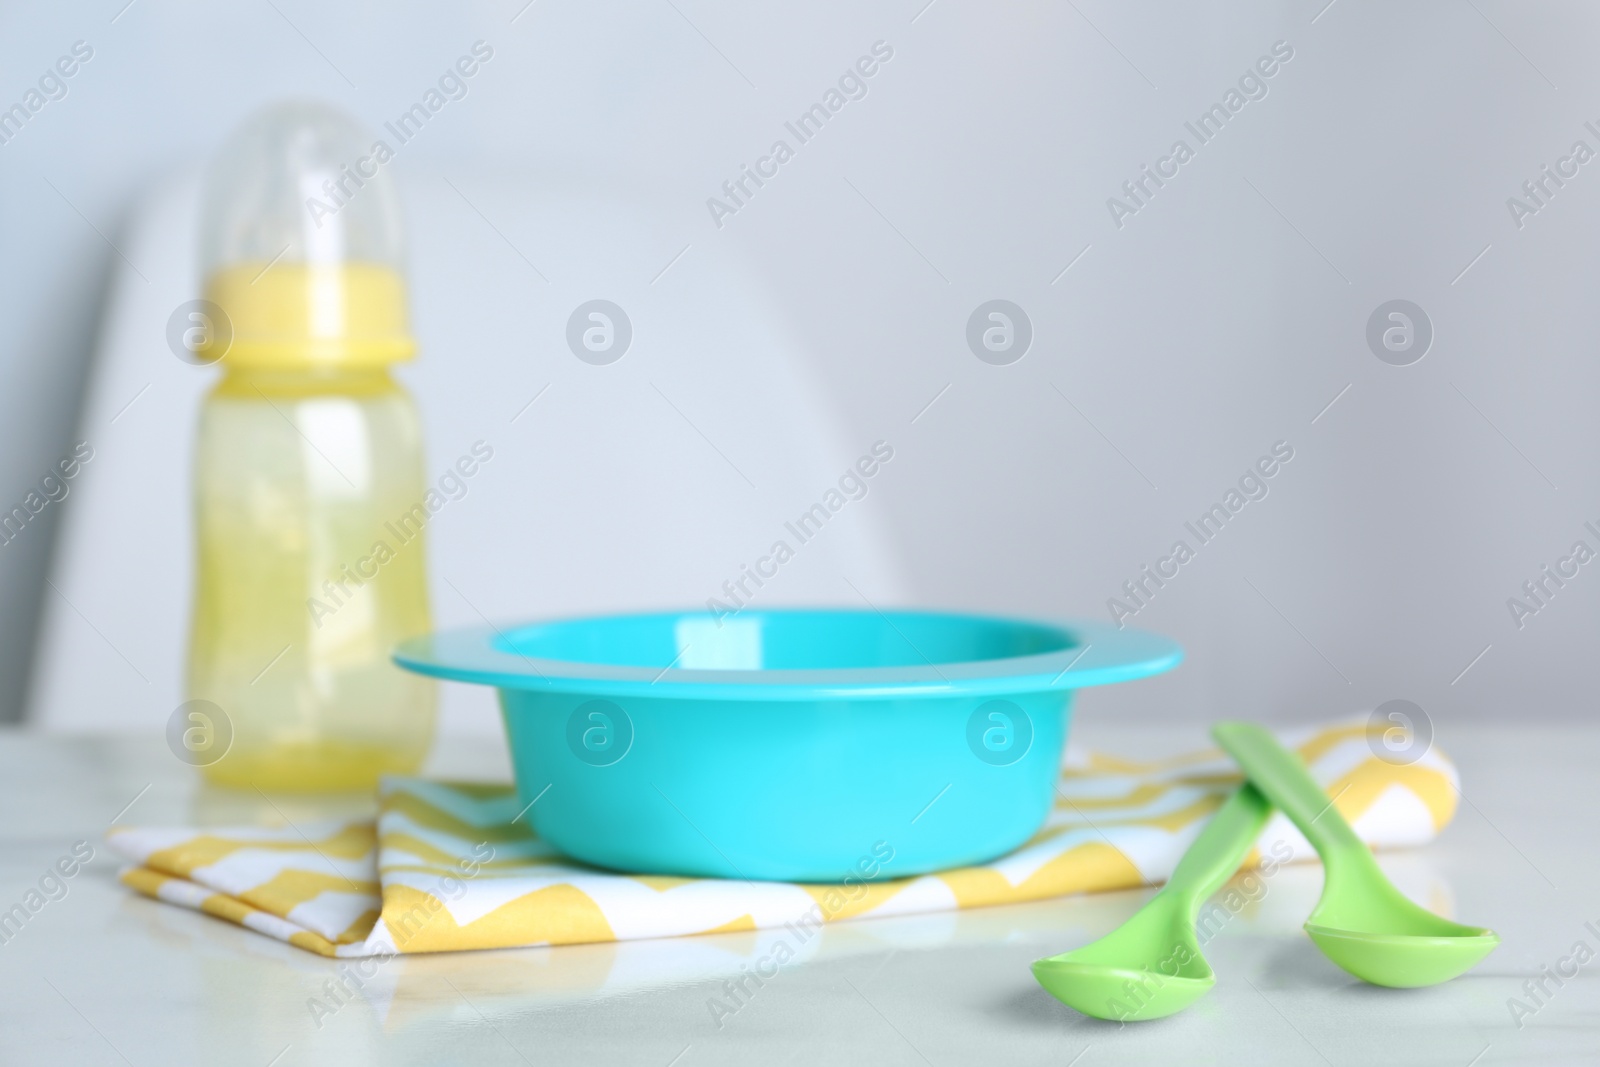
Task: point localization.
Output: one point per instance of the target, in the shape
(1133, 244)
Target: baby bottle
(307, 447)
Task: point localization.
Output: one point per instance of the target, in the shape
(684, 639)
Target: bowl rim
(1100, 654)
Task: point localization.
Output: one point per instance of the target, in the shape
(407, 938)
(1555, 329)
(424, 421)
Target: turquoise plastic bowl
(802, 745)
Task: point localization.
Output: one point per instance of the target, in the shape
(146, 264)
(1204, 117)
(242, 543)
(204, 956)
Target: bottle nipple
(301, 243)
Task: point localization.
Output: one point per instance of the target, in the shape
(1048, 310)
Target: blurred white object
(648, 482)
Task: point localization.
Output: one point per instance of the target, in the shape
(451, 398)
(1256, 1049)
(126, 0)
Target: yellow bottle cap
(307, 314)
(301, 245)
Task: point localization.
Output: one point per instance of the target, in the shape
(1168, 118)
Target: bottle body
(310, 568)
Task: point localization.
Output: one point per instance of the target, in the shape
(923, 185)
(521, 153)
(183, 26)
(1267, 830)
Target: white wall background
(1223, 317)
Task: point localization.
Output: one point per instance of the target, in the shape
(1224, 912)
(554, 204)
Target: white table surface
(104, 976)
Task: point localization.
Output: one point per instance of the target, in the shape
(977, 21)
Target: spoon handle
(1221, 847)
(1280, 775)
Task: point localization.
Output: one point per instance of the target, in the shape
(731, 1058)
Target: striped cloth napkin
(448, 866)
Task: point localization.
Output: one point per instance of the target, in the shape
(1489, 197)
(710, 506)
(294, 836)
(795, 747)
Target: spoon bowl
(1147, 968)
(1151, 965)
(1391, 941)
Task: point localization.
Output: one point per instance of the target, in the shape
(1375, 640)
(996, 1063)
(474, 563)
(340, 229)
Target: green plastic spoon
(1362, 922)
(1151, 966)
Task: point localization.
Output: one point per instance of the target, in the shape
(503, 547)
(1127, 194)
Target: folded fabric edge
(168, 889)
